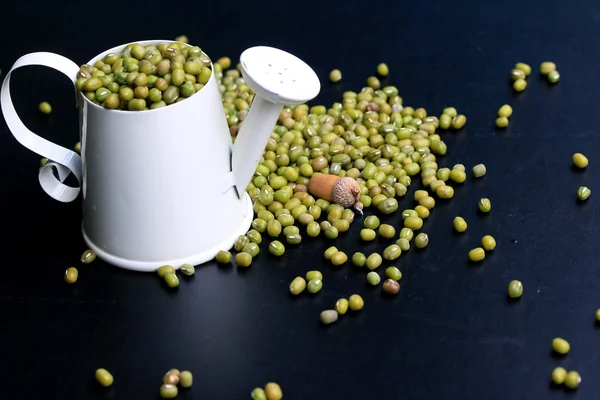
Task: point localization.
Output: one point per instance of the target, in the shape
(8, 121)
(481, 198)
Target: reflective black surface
(450, 332)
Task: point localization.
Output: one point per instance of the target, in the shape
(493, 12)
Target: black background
(450, 332)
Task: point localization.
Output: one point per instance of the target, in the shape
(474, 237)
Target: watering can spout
(277, 79)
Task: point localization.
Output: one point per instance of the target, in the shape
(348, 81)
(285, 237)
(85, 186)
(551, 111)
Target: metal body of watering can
(165, 186)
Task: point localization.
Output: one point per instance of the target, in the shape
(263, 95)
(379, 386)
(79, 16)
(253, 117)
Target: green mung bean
(186, 379)
(393, 273)
(373, 278)
(223, 257)
(374, 261)
(314, 286)
(88, 256)
(329, 316)
(484, 205)
(298, 285)
(276, 248)
(359, 259)
(339, 258)
(519, 85)
(168, 391)
(546, 67)
(171, 279)
(45, 107)
(103, 377)
(459, 224)
(583, 193)
(558, 375)
(422, 240)
(335, 75)
(187, 269)
(572, 380)
(560, 346)
(515, 289)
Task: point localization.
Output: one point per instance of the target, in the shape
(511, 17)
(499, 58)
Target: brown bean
(390, 286)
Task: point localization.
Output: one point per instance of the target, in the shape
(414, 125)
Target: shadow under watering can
(166, 185)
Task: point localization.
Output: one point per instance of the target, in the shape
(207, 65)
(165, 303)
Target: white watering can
(165, 186)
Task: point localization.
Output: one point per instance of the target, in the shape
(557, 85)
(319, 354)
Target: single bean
(329, 316)
(355, 302)
(103, 377)
(390, 286)
(171, 279)
(339, 258)
(314, 285)
(223, 257)
(186, 379)
(168, 391)
(298, 285)
(310, 275)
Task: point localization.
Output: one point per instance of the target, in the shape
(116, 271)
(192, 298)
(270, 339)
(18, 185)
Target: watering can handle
(64, 160)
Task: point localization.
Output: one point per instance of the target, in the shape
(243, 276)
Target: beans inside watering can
(145, 77)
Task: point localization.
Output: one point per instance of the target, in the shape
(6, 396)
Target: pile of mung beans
(144, 77)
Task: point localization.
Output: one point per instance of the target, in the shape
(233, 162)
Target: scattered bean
(355, 302)
(276, 248)
(373, 278)
(335, 76)
(341, 306)
(223, 257)
(71, 275)
(572, 379)
(519, 85)
(359, 259)
(505, 111)
(560, 346)
(393, 273)
(553, 77)
(45, 107)
(390, 286)
(103, 377)
(479, 170)
(374, 261)
(387, 231)
(339, 258)
(546, 67)
(523, 67)
(422, 240)
(501, 122)
(165, 269)
(171, 279)
(243, 259)
(329, 316)
(314, 286)
(488, 243)
(558, 375)
(515, 289)
(258, 394)
(580, 161)
(186, 379)
(297, 286)
(310, 275)
(88, 256)
(187, 269)
(383, 70)
(459, 224)
(477, 254)
(168, 391)
(171, 378)
(484, 205)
